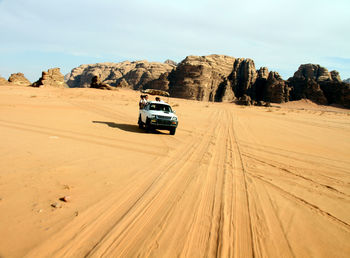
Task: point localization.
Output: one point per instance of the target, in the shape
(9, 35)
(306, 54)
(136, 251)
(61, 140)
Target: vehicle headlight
(152, 116)
(174, 118)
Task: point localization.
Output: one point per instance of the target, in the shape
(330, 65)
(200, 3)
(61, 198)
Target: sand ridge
(233, 182)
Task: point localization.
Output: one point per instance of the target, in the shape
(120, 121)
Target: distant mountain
(347, 80)
(171, 62)
(134, 75)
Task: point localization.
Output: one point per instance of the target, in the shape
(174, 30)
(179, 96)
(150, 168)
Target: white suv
(158, 115)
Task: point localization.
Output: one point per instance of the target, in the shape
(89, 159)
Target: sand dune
(233, 182)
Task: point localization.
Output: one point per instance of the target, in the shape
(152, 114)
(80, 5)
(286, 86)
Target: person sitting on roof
(143, 101)
(159, 100)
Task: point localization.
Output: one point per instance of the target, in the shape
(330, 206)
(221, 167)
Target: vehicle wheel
(148, 125)
(140, 123)
(172, 131)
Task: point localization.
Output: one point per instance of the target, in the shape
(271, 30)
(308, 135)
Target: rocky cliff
(219, 78)
(276, 89)
(319, 85)
(203, 78)
(125, 74)
(224, 78)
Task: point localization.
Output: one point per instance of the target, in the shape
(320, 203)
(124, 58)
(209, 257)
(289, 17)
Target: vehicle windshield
(160, 107)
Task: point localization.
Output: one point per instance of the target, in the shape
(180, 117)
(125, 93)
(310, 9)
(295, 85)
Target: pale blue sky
(37, 35)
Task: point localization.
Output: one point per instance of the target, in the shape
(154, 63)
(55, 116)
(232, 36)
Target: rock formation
(162, 83)
(312, 72)
(347, 80)
(335, 76)
(170, 62)
(244, 100)
(3, 81)
(276, 90)
(260, 84)
(243, 76)
(263, 73)
(97, 84)
(123, 84)
(203, 78)
(125, 74)
(224, 78)
(317, 84)
(306, 89)
(51, 78)
(19, 79)
(336, 92)
(225, 92)
(156, 92)
(67, 76)
(219, 78)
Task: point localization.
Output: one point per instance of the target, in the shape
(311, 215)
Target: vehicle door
(144, 113)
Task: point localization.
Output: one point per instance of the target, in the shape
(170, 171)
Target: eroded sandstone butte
(15, 79)
(52, 78)
(19, 79)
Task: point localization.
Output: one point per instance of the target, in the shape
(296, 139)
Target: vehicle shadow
(127, 127)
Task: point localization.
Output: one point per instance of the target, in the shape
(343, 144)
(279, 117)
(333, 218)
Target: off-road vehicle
(158, 115)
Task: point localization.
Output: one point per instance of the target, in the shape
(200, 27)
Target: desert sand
(233, 182)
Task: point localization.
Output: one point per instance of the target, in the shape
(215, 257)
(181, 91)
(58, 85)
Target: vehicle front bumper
(163, 123)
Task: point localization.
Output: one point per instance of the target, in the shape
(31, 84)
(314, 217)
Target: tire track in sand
(290, 172)
(159, 217)
(115, 217)
(266, 231)
(300, 200)
(82, 137)
(225, 198)
(266, 214)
